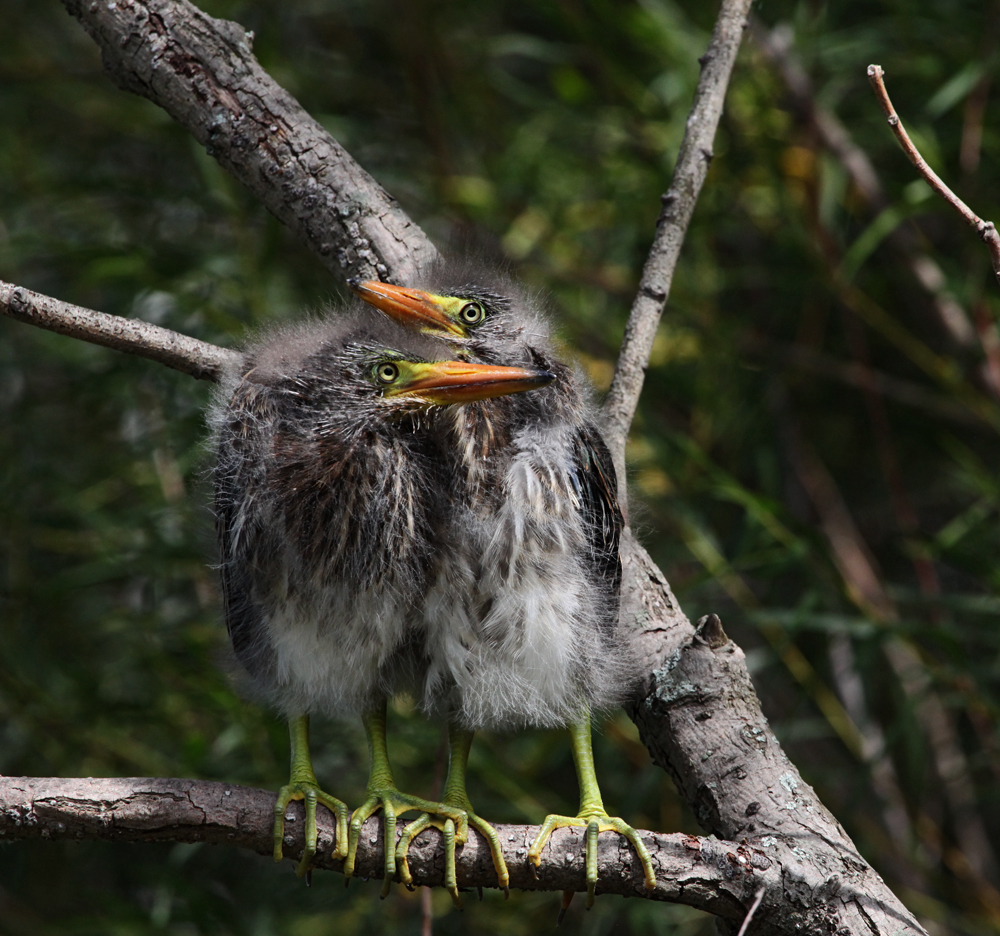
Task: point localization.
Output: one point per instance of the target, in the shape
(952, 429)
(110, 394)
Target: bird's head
(359, 371)
(404, 383)
(475, 320)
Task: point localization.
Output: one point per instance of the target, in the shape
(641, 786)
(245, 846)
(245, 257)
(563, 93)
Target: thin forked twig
(985, 229)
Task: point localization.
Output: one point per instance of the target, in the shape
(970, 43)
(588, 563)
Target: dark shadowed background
(815, 456)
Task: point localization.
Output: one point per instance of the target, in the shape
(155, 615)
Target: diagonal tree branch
(203, 73)
(697, 710)
(693, 160)
(188, 355)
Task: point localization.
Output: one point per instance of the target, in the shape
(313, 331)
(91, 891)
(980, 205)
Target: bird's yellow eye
(386, 372)
(472, 313)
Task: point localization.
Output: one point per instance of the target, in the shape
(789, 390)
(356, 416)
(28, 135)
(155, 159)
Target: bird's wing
(596, 484)
(237, 487)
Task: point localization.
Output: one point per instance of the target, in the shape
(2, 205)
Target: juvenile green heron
(522, 622)
(328, 484)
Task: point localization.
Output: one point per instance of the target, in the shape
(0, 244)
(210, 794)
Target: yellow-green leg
(592, 815)
(302, 785)
(459, 744)
(383, 794)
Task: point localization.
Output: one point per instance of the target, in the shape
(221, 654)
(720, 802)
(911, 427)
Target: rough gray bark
(203, 73)
(188, 355)
(701, 720)
(716, 876)
(697, 710)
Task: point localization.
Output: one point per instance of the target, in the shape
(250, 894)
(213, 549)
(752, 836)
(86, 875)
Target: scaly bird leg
(459, 744)
(302, 785)
(383, 794)
(592, 815)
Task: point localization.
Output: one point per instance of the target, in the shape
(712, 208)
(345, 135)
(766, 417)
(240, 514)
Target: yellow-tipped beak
(413, 308)
(445, 382)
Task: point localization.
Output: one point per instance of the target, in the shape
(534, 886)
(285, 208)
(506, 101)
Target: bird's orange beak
(444, 382)
(413, 308)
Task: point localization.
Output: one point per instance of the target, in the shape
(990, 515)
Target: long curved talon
(393, 803)
(447, 829)
(311, 794)
(490, 834)
(595, 822)
(451, 839)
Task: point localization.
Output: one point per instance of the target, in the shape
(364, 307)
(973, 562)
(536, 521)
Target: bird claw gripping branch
(592, 816)
(302, 785)
(459, 743)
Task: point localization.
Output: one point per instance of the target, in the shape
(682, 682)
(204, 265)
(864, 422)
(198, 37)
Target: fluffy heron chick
(523, 617)
(328, 484)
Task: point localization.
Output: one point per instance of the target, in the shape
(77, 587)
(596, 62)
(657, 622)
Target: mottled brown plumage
(523, 618)
(329, 489)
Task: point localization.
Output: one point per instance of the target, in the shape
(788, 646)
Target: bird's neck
(480, 432)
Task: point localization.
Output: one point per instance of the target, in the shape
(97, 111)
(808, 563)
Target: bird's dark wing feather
(596, 484)
(238, 533)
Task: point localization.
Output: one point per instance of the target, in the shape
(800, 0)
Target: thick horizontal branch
(188, 355)
(715, 876)
(985, 229)
(203, 73)
(693, 160)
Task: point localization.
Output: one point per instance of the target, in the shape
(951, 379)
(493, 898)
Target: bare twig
(188, 355)
(986, 229)
(753, 909)
(693, 160)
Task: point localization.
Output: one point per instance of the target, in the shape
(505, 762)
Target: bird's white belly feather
(515, 626)
(332, 646)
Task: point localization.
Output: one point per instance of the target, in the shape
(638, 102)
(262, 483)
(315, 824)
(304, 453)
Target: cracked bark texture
(203, 73)
(716, 876)
(697, 711)
(700, 717)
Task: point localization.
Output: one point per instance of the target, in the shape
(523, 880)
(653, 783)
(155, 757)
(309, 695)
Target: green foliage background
(547, 129)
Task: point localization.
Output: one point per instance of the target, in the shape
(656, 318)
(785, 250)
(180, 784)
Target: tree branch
(701, 719)
(697, 710)
(188, 355)
(718, 877)
(986, 229)
(693, 160)
(202, 72)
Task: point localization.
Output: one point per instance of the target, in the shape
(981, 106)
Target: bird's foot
(595, 821)
(307, 789)
(447, 828)
(393, 803)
